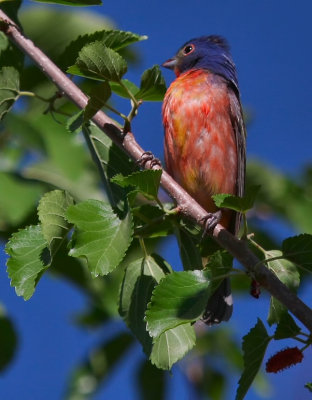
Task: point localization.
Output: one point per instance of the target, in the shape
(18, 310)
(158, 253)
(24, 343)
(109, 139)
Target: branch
(188, 206)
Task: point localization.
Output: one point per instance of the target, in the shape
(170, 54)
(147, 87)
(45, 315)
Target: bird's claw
(148, 156)
(210, 221)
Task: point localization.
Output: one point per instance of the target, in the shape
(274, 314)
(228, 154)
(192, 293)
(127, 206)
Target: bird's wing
(240, 137)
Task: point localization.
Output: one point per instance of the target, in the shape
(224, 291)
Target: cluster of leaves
(114, 235)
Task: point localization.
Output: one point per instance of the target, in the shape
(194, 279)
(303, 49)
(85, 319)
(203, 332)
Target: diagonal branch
(188, 206)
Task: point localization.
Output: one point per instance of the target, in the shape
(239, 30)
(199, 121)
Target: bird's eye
(188, 49)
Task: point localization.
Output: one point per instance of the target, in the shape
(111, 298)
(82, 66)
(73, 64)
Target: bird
(205, 138)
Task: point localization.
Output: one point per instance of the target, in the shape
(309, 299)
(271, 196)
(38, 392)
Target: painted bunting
(205, 138)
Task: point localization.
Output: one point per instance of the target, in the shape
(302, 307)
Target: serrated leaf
(120, 88)
(52, 215)
(140, 278)
(9, 89)
(287, 272)
(286, 328)
(96, 61)
(100, 236)
(98, 97)
(240, 204)
(172, 345)
(298, 249)
(179, 298)
(153, 85)
(114, 39)
(78, 3)
(189, 251)
(25, 264)
(254, 347)
(146, 182)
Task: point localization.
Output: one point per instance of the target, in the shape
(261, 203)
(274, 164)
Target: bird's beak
(170, 64)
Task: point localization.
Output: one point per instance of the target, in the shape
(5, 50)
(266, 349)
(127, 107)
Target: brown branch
(188, 206)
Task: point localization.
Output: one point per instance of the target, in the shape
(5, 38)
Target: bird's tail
(220, 305)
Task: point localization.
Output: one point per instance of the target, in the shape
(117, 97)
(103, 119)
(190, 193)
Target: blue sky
(271, 46)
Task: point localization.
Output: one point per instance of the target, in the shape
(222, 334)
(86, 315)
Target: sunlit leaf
(114, 39)
(146, 182)
(25, 265)
(179, 298)
(120, 88)
(240, 204)
(254, 347)
(96, 61)
(172, 345)
(52, 214)
(153, 85)
(100, 236)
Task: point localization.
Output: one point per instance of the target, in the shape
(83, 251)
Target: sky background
(271, 46)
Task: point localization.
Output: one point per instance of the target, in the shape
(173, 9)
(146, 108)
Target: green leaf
(72, 2)
(189, 251)
(8, 339)
(140, 278)
(100, 236)
(179, 298)
(96, 61)
(25, 265)
(153, 85)
(146, 182)
(286, 272)
(114, 39)
(9, 89)
(52, 215)
(286, 328)
(98, 97)
(113, 161)
(172, 345)
(240, 204)
(87, 377)
(254, 347)
(298, 249)
(120, 88)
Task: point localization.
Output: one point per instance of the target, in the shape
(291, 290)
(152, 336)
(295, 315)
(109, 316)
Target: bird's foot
(210, 221)
(148, 156)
